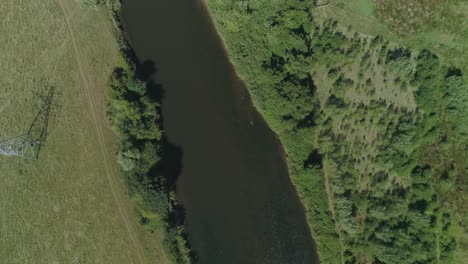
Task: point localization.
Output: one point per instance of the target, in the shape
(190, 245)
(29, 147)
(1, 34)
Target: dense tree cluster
(135, 115)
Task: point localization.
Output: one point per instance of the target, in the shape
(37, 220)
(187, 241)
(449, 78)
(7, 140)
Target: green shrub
(135, 116)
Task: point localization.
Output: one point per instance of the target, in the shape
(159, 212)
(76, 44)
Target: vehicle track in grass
(111, 172)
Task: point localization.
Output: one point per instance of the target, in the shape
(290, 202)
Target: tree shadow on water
(146, 72)
(170, 166)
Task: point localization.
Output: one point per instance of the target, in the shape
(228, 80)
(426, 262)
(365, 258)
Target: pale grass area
(69, 206)
(329, 169)
(361, 129)
(383, 82)
(438, 25)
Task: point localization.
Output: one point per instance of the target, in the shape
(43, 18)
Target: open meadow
(69, 205)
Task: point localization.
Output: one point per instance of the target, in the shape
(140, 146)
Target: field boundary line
(99, 133)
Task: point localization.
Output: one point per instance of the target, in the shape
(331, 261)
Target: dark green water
(240, 204)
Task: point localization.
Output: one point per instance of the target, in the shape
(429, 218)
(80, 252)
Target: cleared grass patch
(362, 7)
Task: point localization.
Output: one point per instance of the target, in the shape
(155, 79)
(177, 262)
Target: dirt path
(111, 173)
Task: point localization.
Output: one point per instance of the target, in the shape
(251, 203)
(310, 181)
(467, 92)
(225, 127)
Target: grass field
(69, 206)
(438, 25)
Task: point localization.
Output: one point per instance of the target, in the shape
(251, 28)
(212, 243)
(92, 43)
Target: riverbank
(306, 204)
(310, 187)
(143, 149)
(228, 151)
(341, 103)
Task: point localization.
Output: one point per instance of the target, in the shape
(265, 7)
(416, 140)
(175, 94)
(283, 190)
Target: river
(240, 204)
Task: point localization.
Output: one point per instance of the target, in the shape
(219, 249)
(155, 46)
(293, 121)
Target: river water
(240, 204)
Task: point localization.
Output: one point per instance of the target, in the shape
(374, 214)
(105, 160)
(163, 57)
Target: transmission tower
(28, 145)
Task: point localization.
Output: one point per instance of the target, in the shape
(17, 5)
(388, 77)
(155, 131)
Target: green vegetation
(377, 125)
(135, 116)
(110, 4)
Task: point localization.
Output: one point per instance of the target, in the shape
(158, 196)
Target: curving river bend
(240, 204)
